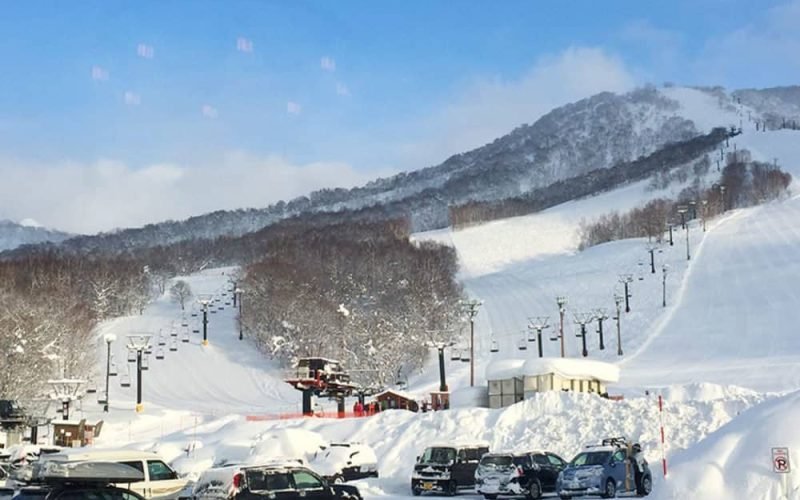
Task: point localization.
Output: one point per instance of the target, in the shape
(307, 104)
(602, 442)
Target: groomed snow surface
(723, 353)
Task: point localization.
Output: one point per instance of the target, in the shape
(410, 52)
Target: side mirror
(417, 458)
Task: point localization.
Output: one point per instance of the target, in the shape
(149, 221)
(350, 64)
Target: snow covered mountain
(13, 235)
(587, 136)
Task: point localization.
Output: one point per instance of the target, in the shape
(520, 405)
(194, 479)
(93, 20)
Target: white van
(160, 481)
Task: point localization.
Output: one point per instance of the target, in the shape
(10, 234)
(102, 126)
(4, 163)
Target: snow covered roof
(402, 394)
(504, 368)
(572, 368)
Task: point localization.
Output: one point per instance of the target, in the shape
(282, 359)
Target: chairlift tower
(139, 343)
(539, 323)
(470, 308)
(109, 338)
(626, 279)
(66, 390)
(561, 301)
(204, 301)
(600, 315)
(618, 318)
(583, 319)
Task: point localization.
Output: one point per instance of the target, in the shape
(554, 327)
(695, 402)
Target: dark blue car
(604, 471)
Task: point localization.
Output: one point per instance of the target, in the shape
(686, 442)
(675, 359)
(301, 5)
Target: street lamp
(138, 343)
(204, 301)
(238, 291)
(470, 308)
(561, 301)
(539, 323)
(109, 338)
(618, 302)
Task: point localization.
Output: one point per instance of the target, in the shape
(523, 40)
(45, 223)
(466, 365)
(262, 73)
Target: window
(497, 460)
(591, 458)
(541, 460)
(438, 456)
(554, 460)
(159, 471)
(306, 481)
(619, 456)
(136, 464)
(259, 480)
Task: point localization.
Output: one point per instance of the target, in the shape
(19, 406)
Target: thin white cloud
(327, 64)
(341, 89)
(132, 98)
(244, 45)
(99, 74)
(763, 52)
(293, 108)
(209, 111)
(107, 194)
(145, 51)
(491, 107)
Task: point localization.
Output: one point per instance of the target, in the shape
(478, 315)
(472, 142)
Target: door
(309, 486)
(163, 481)
(619, 469)
(545, 473)
(142, 487)
(460, 469)
(557, 464)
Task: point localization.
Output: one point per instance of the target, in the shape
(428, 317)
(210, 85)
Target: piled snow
(504, 369)
(573, 368)
(735, 461)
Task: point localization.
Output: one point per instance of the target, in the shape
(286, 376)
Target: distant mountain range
(592, 134)
(13, 235)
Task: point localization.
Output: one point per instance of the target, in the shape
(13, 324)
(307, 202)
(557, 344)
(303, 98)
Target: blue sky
(117, 97)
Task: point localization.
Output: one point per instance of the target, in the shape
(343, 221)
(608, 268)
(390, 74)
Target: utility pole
(664, 285)
(539, 323)
(600, 315)
(561, 301)
(139, 343)
(583, 319)
(626, 279)
(470, 308)
(109, 338)
(618, 318)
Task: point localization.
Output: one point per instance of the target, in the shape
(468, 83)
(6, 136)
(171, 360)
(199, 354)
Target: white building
(512, 380)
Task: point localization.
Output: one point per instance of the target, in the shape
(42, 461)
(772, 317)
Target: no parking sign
(780, 461)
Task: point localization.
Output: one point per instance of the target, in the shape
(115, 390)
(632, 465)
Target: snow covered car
(340, 462)
(274, 481)
(604, 470)
(447, 468)
(513, 474)
(80, 480)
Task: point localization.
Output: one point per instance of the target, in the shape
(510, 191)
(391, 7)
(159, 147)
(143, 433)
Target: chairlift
(522, 345)
(465, 355)
(213, 311)
(145, 363)
(91, 387)
(227, 303)
(173, 332)
(221, 308)
(160, 353)
(531, 336)
(112, 369)
(455, 354)
(185, 338)
(125, 380)
(194, 314)
(101, 400)
(196, 330)
(162, 340)
(494, 347)
(174, 346)
(131, 356)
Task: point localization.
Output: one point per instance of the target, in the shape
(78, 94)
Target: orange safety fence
(318, 414)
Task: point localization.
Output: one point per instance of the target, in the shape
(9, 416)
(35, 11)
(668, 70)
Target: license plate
(427, 486)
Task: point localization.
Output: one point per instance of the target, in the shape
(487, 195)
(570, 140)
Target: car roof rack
(50, 471)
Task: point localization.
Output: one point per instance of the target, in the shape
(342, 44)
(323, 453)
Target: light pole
(625, 279)
(600, 315)
(139, 343)
(561, 301)
(204, 302)
(109, 338)
(664, 285)
(583, 319)
(470, 308)
(618, 318)
(238, 291)
(539, 323)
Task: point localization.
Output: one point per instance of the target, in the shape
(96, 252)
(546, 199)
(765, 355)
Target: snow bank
(573, 368)
(504, 368)
(735, 461)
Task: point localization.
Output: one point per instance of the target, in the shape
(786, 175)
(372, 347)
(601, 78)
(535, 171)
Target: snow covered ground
(722, 353)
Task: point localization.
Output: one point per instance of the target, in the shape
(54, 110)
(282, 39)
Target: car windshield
(260, 480)
(591, 458)
(497, 461)
(438, 456)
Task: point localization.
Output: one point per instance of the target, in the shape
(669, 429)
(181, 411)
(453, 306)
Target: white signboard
(780, 461)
